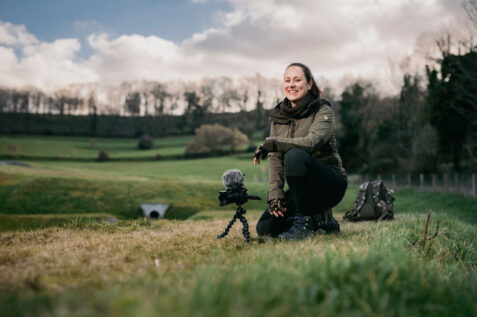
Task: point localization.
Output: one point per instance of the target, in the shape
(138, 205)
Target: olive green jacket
(315, 134)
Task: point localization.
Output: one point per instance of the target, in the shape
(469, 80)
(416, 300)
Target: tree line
(146, 98)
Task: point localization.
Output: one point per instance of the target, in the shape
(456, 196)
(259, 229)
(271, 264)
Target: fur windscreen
(233, 178)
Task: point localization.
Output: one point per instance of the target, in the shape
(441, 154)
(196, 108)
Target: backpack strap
(354, 214)
(384, 201)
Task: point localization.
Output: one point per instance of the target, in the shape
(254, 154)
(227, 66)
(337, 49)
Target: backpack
(374, 202)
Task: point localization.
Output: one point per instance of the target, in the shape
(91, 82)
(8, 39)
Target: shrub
(103, 156)
(146, 142)
(214, 139)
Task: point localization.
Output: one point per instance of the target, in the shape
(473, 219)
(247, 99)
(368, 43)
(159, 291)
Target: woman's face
(295, 85)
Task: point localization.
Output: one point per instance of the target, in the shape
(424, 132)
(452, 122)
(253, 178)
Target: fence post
(409, 180)
(473, 185)
(445, 183)
(456, 181)
(433, 182)
(366, 178)
(394, 181)
(421, 181)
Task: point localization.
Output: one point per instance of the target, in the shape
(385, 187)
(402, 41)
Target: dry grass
(56, 257)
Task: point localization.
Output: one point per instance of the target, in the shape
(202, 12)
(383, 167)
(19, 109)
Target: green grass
(85, 148)
(63, 253)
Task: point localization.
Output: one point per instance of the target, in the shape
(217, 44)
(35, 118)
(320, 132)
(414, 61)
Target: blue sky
(53, 43)
(174, 20)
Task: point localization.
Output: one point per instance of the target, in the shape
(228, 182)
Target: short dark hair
(315, 90)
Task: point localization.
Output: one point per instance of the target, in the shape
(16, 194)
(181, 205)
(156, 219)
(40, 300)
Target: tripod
(239, 214)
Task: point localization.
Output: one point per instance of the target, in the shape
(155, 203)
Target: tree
(4, 96)
(133, 103)
(410, 111)
(92, 110)
(452, 98)
(259, 111)
(193, 111)
(160, 95)
(207, 95)
(356, 106)
(228, 96)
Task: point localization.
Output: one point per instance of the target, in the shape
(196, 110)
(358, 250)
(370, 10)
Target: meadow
(73, 242)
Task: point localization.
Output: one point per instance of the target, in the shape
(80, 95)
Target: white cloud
(352, 38)
(47, 66)
(11, 34)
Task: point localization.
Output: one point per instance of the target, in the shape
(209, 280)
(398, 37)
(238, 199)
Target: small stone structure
(154, 211)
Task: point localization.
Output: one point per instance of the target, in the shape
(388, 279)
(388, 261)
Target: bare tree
(133, 103)
(470, 7)
(4, 96)
(160, 95)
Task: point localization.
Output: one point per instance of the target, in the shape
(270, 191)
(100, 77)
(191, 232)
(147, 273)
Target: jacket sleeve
(275, 173)
(321, 130)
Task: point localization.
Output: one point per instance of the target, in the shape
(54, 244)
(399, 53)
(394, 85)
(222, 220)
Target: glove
(277, 207)
(260, 153)
(270, 144)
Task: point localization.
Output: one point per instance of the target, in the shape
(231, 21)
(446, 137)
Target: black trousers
(313, 188)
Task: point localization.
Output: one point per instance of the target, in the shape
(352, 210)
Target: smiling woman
(302, 150)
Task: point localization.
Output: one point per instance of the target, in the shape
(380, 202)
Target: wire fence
(461, 184)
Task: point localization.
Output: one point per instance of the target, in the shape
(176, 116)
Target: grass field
(72, 242)
(86, 148)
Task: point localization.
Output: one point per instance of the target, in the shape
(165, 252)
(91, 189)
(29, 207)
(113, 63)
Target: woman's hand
(277, 208)
(260, 154)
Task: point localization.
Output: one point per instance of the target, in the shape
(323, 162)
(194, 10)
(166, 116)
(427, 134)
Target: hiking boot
(325, 221)
(302, 228)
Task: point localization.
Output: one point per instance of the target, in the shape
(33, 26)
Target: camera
(238, 196)
(235, 191)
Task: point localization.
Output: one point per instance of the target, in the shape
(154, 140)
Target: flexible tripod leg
(245, 231)
(226, 232)
(239, 214)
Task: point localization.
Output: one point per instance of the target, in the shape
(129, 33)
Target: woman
(302, 150)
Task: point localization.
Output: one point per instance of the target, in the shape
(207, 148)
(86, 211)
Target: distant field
(82, 148)
(73, 243)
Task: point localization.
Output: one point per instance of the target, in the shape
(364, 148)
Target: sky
(53, 43)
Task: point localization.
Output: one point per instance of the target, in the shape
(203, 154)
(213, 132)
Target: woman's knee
(295, 162)
(263, 229)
